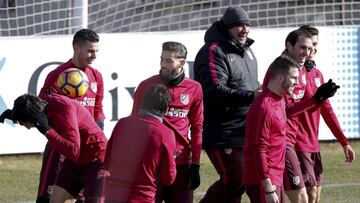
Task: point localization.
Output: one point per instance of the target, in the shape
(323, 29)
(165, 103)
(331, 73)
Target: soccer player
(71, 131)
(266, 130)
(298, 46)
(265, 140)
(226, 68)
(185, 113)
(134, 170)
(85, 47)
(307, 145)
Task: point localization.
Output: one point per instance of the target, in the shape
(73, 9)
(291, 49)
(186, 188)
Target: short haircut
(310, 29)
(21, 110)
(281, 66)
(157, 99)
(176, 47)
(293, 36)
(84, 35)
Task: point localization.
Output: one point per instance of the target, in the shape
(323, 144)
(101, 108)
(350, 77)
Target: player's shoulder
(58, 100)
(192, 82)
(150, 80)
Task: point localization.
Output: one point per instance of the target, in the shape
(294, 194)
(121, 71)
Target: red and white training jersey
(185, 112)
(140, 150)
(310, 119)
(265, 140)
(93, 98)
(73, 133)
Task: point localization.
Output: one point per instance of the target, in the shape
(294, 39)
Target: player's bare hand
(272, 198)
(349, 154)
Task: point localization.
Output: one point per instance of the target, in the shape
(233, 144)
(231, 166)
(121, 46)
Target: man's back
(139, 147)
(73, 123)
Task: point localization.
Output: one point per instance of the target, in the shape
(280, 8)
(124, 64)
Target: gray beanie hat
(235, 16)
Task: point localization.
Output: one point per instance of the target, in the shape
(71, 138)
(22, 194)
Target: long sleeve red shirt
(140, 148)
(93, 98)
(290, 100)
(73, 131)
(265, 140)
(185, 113)
(309, 120)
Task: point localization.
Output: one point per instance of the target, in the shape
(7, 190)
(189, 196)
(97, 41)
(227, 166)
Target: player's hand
(326, 91)
(349, 154)
(7, 114)
(272, 198)
(194, 176)
(41, 121)
(100, 123)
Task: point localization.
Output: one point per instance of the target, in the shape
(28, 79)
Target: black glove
(309, 65)
(41, 121)
(194, 176)
(326, 91)
(100, 123)
(6, 114)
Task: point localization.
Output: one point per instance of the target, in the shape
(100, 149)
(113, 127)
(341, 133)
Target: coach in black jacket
(227, 70)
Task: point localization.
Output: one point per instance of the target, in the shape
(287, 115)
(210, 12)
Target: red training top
(92, 100)
(73, 132)
(265, 140)
(140, 148)
(185, 111)
(309, 120)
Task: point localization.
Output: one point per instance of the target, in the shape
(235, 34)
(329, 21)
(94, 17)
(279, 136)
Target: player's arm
(325, 91)
(269, 188)
(332, 122)
(167, 162)
(262, 147)
(98, 110)
(138, 99)
(66, 140)
(213, 74)
(261, 142)
(196, 126)
(196, 129)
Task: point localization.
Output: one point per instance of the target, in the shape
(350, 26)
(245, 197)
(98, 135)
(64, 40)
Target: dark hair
(157, 99)
(84, 35)
(176, 47)
(310, 29)
(293, 36)
(21, 110)
(281, 66)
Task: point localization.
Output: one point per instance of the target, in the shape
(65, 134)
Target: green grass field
(19, 176)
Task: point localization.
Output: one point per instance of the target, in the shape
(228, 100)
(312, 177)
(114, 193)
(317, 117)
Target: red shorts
(256, 193)
(311, 167)
(51, 165)
(180, 190)
(90, 177)
(293, 179)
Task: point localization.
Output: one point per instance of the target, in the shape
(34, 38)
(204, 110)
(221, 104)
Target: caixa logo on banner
(3, 106)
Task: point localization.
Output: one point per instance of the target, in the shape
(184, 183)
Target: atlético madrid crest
(184, 98)
(93, 86)
(296, 180)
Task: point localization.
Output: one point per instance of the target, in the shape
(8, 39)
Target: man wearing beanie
(227, 70)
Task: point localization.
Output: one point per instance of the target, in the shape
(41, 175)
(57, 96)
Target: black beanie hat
(235, 16)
